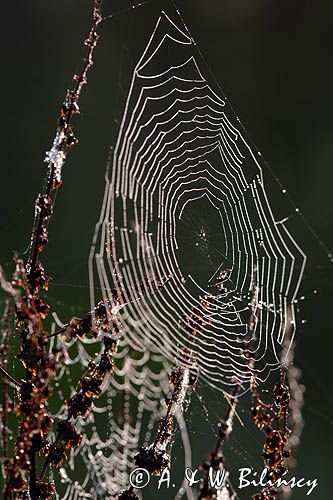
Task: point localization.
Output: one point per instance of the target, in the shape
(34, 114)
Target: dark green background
(273, 59)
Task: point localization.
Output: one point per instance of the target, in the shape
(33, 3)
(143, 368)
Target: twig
(156, 457)
(58, 332)
(102, 319)
(281, 420)
(15, 383)
(3, 363)
(226, 423)
(296, 388)
(55, 158)
(30, 309)
(80, 403)
(216, 459)
(5, 340)
(94, 321)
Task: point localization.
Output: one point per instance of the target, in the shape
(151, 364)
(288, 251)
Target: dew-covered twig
(80, 403)
(4, 350)
(12, 381)
(157, 456)
(96, 321)
(55, 159)
(271, 418)
(216, 459)
(281, 420)
(31, 310)
(101, 321)
(296, 389)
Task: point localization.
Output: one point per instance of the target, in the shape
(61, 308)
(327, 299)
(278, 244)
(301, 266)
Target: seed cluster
(271, 418)
(40, 365)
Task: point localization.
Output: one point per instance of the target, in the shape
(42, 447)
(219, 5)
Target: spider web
(185, 205)
(122, 419)
(179, 154)
(202, 251)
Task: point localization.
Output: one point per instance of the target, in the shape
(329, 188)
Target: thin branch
(80, 403)
(55, 158)
(216, 459)
(3, 364)
(30, 309)
(106, 308)
(296, 388)
(58, 332)
(15, 383)
(102, 319)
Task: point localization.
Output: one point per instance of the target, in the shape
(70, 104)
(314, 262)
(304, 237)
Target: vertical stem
(56, 157)
(33, 478)
(3, 368)
(4, 430)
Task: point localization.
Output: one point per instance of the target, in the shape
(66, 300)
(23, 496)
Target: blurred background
(273, 59)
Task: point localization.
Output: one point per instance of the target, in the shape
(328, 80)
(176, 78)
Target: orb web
(188, 207)
(122, 419)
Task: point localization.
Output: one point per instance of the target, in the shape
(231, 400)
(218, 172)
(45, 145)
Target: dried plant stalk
(216, 459)
(30, 309)
(4, 351)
